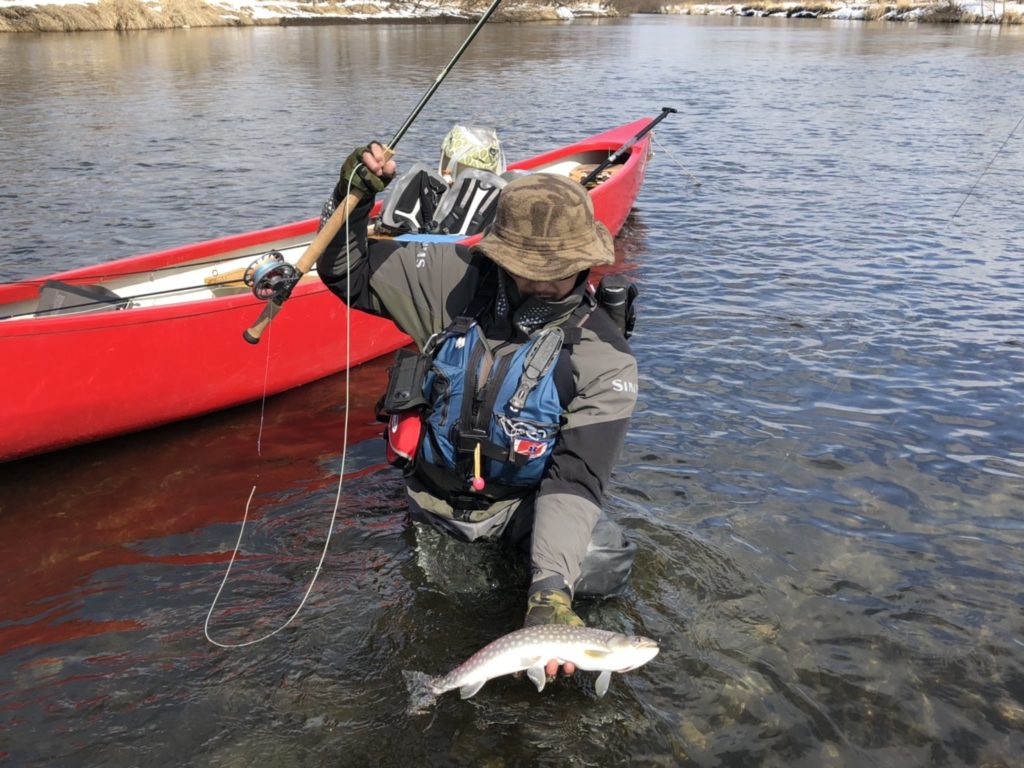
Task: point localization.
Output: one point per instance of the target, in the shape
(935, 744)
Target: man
(531, 385)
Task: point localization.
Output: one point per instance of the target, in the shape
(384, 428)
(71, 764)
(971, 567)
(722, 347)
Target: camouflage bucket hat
(544, 229)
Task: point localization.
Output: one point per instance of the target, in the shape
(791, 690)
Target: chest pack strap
(538, 362)
(471, 393)
(573, 327)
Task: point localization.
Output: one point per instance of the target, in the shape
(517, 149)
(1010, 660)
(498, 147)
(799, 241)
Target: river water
(824, 475)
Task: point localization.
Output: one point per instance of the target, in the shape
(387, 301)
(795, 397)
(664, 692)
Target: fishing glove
(551, 606)
(365, 183)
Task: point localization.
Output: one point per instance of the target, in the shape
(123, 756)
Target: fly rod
(283, 276)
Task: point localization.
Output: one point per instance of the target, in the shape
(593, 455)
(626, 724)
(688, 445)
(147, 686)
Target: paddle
(618, 153)
(333, 225)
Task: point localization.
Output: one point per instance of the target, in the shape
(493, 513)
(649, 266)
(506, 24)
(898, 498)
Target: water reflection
(150, 498)
(824, 476)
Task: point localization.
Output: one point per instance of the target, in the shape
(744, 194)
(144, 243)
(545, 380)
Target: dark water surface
(825, 476)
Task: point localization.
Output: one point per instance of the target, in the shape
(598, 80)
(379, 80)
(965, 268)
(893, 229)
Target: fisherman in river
(523, 387)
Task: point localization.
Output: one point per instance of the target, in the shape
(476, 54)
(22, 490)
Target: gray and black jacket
(423, 287)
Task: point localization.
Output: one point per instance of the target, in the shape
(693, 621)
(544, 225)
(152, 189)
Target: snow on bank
(346, 9)
(971, 10)
(75, 15)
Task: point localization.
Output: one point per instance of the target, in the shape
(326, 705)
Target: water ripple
(824, 474)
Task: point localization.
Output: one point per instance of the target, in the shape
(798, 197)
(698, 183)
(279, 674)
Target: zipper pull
(478, 483)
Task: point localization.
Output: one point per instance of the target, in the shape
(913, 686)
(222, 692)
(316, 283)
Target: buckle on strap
(464, 504)
(460, 326)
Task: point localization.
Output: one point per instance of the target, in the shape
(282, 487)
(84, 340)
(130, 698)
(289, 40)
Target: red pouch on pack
(403, 438)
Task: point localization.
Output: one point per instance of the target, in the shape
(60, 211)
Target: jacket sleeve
(420, 286)
(596, 421)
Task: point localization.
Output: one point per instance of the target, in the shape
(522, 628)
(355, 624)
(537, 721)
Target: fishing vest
(493, 419)
(489, 420)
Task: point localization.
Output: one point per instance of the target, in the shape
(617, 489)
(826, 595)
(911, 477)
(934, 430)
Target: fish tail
(423, 690)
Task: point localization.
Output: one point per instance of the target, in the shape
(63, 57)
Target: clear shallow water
(825, 475)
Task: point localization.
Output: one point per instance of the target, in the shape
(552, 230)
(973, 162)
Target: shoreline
(135, 15)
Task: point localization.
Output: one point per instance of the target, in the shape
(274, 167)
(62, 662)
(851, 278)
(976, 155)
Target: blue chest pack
(490, 415)
(495, 417)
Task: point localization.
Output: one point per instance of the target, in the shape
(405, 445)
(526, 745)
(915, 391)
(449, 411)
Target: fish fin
(470, 690)
(594, 653)
(537, 674)
(423, 690)
(601, 686)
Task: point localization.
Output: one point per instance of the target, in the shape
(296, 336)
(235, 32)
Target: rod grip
(253, 333)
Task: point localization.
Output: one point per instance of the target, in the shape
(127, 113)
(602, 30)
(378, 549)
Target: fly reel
(271, 277)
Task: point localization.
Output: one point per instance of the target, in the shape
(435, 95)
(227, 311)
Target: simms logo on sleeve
(619, 385)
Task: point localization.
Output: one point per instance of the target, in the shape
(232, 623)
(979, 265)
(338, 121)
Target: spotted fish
(595, 650)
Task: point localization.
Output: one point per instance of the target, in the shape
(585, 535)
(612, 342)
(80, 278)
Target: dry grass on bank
(121, 15)
(941, 11)
(124, 15)
(935, 11)
(872, 12)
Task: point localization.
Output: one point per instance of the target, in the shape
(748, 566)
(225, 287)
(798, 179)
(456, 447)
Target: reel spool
(271, 277)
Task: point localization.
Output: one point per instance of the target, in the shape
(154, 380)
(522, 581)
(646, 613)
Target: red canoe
(176, 350)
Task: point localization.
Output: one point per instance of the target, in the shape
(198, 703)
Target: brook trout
(596, 650)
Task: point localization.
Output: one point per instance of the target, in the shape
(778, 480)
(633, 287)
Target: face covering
(528, 313)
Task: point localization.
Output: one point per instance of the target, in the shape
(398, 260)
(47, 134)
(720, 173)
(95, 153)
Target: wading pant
(605, 567)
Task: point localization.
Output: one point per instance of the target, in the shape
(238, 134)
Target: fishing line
(697, 182)
(341, 469)
(987, 167)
